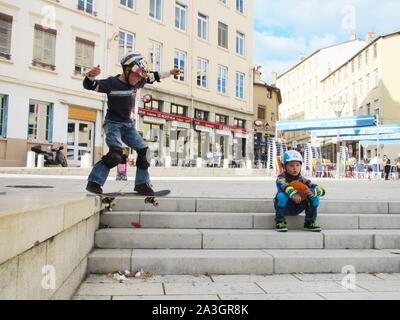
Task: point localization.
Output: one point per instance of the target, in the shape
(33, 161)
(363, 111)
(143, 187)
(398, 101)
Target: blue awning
(326, 123)
(371, 137)
(381, 142)
(383, 129)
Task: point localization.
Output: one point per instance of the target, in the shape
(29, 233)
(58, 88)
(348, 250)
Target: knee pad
(113, 157)
(143, 159)
(313, 201)
(282, 200)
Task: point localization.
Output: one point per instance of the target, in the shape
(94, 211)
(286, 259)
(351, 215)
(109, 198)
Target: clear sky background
(284, 30)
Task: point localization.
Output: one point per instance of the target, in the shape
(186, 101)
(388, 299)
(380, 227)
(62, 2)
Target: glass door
(80, 140)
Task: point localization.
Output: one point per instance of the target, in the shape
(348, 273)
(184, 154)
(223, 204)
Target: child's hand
(297, 199)
(310, 193)
(93, 73)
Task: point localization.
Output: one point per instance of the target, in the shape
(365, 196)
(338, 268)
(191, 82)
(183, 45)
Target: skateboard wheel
(156, 204)
(113, 205)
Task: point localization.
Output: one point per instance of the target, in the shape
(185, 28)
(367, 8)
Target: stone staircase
(234, 236)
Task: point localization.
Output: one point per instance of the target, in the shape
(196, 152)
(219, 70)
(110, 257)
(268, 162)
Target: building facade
(301, 86)
(367, 85)
(45, 48)
(267, 100)
(207, 110)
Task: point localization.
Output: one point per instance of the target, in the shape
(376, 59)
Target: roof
(360, 51)
(313, 54)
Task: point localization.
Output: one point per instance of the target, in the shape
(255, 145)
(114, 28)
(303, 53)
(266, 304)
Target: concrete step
(221, 220)
(256, 262)
(245, 239)
(169, 204)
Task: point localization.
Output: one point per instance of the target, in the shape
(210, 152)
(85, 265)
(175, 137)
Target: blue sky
(285, 30)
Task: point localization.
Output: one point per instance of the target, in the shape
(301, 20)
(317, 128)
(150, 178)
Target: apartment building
(267, 99)
(301, 86)
(209, 107)
(367, 84)
(45, 48)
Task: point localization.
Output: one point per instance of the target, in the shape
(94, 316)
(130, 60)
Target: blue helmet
(292, 155)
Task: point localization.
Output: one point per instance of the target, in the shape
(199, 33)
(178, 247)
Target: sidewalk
(242, 287)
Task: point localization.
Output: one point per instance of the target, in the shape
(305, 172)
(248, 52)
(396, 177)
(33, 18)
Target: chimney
(274, 76)
(353, 36)
(370, 36)
(257, 74)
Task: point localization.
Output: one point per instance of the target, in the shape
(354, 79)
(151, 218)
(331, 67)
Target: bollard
(199, 162)
(30, 160)
(168, 162)
(40, 161)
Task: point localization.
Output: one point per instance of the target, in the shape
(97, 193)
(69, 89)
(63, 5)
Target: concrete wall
(58, 238)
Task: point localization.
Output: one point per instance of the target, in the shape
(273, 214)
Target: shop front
(80, 138)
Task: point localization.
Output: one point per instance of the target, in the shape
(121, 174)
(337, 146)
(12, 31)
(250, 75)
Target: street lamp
(338, 107)
(377, 121)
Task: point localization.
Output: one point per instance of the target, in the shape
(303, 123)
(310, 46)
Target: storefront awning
(372, 130)
(381, 142)
(327, 123)
(371, 137)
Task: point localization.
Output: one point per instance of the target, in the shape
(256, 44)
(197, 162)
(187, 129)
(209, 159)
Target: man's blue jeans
(284, 206)
(116, 134)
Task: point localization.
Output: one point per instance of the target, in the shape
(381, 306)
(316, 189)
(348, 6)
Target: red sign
(163, 115)
(171, 117)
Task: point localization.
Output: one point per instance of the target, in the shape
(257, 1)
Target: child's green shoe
(312, 226)
(281, 227)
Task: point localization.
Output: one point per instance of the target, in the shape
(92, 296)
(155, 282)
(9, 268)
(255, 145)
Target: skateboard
(108, 199)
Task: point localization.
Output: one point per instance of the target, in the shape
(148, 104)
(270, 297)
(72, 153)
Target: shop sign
(153, 120)
(163, 115)
(180, 124)
(241, 135)
(204, 129)
(223, 132)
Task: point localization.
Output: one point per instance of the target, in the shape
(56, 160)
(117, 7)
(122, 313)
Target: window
(240, 5)
(180, 16)
(239, 85)
(131, 4)
(178, 110)
(359, 61)
(126, 44)
(368, 82)
(154, 105)
(269, 93)
(156, 9)
(202, 73)
(3, 116)
(201, 115)
(84, 56)
(219, 118)
(222, 77)
(367, 56)
(240, 43)
(155, 56)
(180, 63)
(5, 35)
(368, 109)
(361, 87)
(353, 66)
(202, 26)
(375, 51)
(40, 121)
(376, 78)
(86, 6)
(261, 113)
(273, 115)
(222, 35)
(240, 123)
(44, 47)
